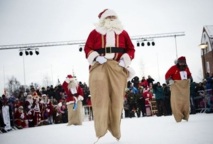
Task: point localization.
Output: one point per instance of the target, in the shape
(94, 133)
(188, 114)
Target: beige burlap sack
(180, 99)
(75, 116)
(107, 87)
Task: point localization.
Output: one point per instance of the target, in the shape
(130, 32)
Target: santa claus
(20, 118)
(74, 100)
(29, 110)
(178, 77)
(109, 51)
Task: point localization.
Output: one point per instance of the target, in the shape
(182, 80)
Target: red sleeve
(80, 91)
(170, 72)
(89, 45)
(65, 87)
(129, 45)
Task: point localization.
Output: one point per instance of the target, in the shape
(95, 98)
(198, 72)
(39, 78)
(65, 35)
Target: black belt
(110, 50)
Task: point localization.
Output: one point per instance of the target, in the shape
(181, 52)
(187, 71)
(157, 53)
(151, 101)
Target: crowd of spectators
(36, 107)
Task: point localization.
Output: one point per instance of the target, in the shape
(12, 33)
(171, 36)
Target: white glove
(171, 82)
(122, 63)
(48, 110)
(101, 59)
(22, 116)
(80, 98)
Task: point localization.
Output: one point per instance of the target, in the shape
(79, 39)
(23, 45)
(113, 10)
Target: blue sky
(35, 21)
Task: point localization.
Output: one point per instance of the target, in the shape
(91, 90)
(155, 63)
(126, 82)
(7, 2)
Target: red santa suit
(148, 97)
(36, 112)
(20, 118)
(178, 76)
(28, 103)
(109, 51)
(74, 98)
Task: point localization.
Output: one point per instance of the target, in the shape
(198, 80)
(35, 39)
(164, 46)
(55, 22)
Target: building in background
(207, 49)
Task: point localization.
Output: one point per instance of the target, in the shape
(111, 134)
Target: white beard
(112, 24)
(30, 101)
(107, 25)
(73, 84)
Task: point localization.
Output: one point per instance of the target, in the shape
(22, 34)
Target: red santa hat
(20, 107)
(105, 13)
(182, 59)
(43, 95)
(70, 77)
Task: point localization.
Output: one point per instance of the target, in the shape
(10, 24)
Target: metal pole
(204, 65)
(24, 71)
(4, 77)
(52, 75)
(176, 47)
(158, 68)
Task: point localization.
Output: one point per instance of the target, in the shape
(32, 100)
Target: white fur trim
(91, 57)
(103, 30)
(59, 104)
(110, 42)
(70, 102)
(107, 13)
(126, 59)
(80, 98)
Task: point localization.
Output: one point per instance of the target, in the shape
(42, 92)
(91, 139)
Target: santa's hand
(122, 63)
(22, 116)
(101, 59)
(171, 81)
(80, 98)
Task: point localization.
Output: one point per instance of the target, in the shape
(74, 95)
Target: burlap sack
(75, 116)
(107, 87)
(180, 99)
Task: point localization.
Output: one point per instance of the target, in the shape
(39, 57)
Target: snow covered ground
(144, 130)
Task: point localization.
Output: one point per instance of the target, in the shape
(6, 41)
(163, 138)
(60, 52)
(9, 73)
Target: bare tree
(14, 86)
(46, 81)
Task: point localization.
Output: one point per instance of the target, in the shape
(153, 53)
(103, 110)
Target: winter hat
(105, 13)
(43, 95)
(182, 59)
(70, 77)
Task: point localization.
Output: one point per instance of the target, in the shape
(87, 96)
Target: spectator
(160, 98)
(20, 118)
(150, 81)
(167, 94)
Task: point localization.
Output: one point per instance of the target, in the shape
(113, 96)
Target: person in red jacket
(20, 118)
(73, 100)
(179, 77)
(109, 51)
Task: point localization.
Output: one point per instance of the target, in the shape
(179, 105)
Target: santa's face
(73, 83)
(30, 99)
(112, 23)
(20, 110)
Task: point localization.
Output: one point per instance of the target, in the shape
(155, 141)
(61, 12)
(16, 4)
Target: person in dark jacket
(160, 98)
